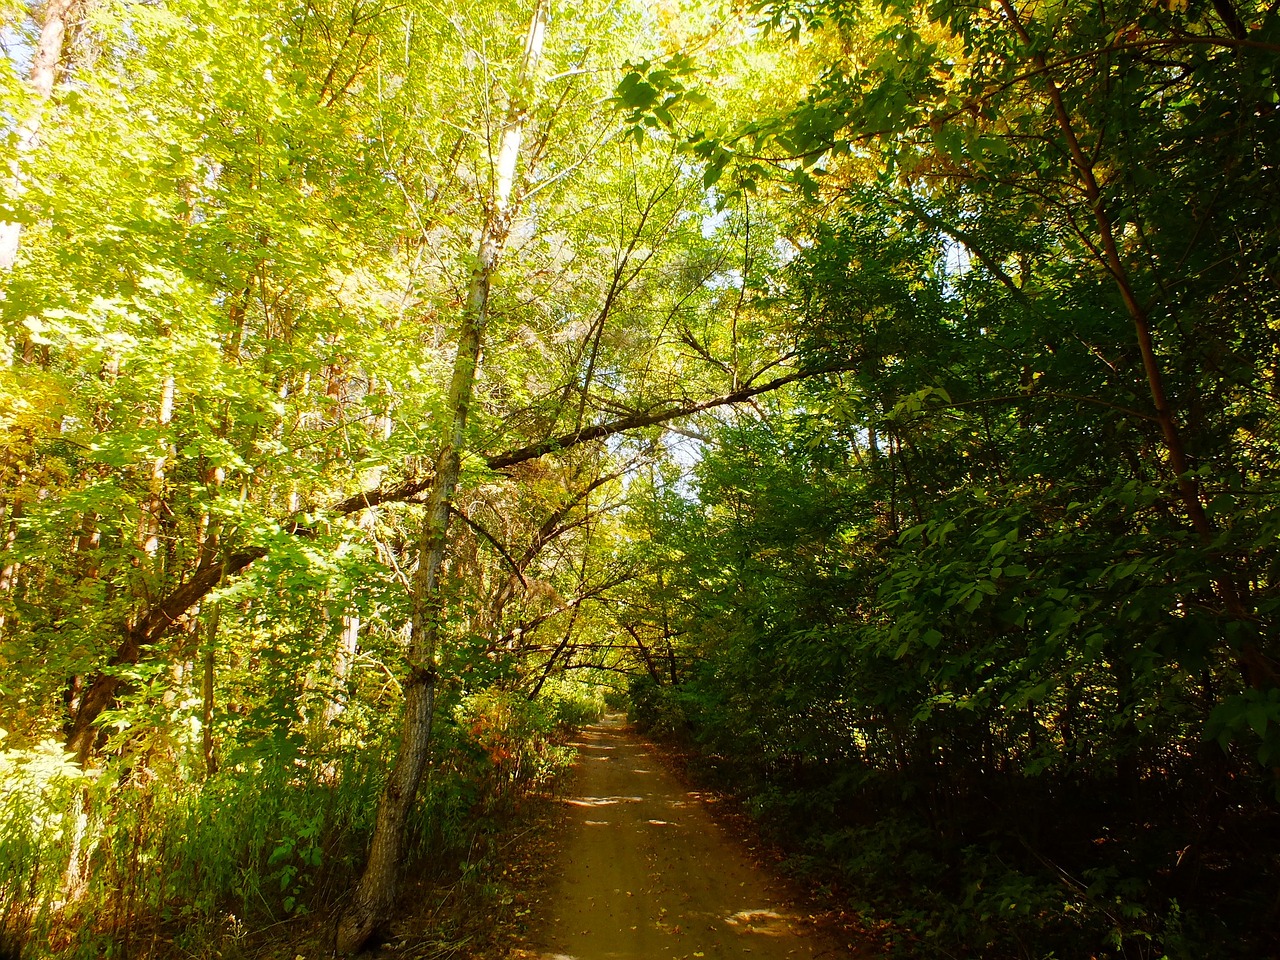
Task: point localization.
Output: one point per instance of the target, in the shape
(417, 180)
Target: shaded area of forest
(985, 626)
(882, 396)
(259, 858)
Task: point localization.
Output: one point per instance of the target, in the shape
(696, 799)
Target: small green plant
(44, 835)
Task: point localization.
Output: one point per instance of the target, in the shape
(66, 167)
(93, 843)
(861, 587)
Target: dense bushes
(985, 623)
(999, 710)
(968, 861)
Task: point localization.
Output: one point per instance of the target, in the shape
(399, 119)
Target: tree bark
(564, 644)
(9, 568)
(153, 511)
(644, 654)
(206, 692)
(44, 68)
(344, 659)
(375, 894)
(1257, 667)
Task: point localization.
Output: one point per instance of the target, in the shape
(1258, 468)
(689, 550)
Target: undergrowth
(147, 857)
(1013, 868)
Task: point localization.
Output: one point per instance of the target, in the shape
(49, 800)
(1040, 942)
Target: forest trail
(645, 873)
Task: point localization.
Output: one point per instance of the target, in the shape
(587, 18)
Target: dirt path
(645, 874)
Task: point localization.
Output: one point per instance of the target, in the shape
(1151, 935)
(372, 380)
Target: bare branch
(602, 431)
(515, 567)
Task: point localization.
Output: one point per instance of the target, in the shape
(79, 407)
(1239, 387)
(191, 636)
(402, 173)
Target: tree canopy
(881, 398)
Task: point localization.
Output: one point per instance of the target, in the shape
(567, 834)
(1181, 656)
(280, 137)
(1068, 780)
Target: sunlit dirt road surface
(645, 874)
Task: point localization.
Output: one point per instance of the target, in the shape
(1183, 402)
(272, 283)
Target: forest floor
(626, 861)
(644, 872)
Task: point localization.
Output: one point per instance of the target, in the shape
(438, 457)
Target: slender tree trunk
(344, 659)
(149, 524)
(9, 568)
(644, 654)
(44, 68)
(207, 690)
(375, 894)
(573, 621)
(666, 632)
(554, 526)
(550, 665)
(1256, 666)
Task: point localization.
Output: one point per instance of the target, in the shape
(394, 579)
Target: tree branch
(602, 431)
(159, 618)
(515, 567)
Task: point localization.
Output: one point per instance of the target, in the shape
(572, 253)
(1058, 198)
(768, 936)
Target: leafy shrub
(93, 862)
(658, 710)
(43, 832)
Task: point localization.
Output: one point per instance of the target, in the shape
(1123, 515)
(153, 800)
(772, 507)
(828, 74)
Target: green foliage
(278, 832)
(650, 94)
(241, 847)
(39, 792)
(245, 226)
(947, 615)
(942, 617)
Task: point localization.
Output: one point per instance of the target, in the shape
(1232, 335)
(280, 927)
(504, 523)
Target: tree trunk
(554, 526)
(550, 665)
(644, 654)
(376, 891)
(153, 511)
(9, 568)
(206, 692)
(1257, 668)
(44, 68)
(344, 659)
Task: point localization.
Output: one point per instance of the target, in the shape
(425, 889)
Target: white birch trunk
(149, 533)
(44, 69)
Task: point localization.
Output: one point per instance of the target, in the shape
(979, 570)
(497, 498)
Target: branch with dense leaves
(153, 624)
(149, 629)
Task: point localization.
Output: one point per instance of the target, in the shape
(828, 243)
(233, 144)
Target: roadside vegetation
(881, 396)
(257, 857)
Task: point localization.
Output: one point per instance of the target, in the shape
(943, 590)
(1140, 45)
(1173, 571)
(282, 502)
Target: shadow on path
(645, 874)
